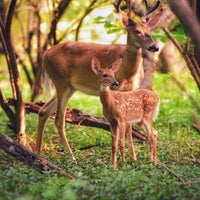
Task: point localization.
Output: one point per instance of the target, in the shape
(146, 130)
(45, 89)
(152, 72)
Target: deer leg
(152, 139)
(63, 97)
(44, 113)
(153, 144)
(115, 137)
(122, 131)
(130, 141)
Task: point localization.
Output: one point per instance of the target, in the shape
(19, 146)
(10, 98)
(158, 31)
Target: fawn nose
(153, 48)
(115, 84)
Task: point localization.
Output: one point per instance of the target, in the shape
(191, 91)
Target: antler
(150, 9)
(116, 4)
(128, 5)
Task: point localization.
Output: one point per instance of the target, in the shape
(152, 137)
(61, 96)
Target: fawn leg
(130, 141)
(122, 132)
(153, 145)
(147, 124)
(115, 137)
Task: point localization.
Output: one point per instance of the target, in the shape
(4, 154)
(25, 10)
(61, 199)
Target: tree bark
(148, 61)
(14, 74)
(191, 25)
(28, 157)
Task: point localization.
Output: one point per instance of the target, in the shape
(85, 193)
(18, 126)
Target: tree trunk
(184, 12)
(148, 61)
(14, 74)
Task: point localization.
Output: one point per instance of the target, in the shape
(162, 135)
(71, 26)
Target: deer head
(139, 32)
(106, 75)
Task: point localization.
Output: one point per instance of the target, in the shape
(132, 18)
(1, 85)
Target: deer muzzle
(115, 84)
(153, 48)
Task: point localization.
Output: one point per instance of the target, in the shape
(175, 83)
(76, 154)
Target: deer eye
(137, 32)
(105, 75)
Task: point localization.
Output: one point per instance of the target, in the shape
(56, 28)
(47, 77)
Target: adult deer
(121, 109)
(68, 66)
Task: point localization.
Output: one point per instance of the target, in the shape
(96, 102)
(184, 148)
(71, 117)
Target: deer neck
(132, 59)
(106, 97)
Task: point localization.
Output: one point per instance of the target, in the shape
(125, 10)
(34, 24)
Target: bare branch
(9, 17)
(89, 9)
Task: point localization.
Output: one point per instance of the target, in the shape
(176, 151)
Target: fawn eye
(105, 75)
(137, 32)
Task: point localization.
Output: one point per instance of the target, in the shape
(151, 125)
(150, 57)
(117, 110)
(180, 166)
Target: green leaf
(179, 34)
(99, 20)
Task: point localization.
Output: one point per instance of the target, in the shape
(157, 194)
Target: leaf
(111, 18)
(99, 20)
(110, 23)
(179, 34)
(160, 34)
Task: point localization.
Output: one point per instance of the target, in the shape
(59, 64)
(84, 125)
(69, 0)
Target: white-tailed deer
(69, 67)
(122, 109)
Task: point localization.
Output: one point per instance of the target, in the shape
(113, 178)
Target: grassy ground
(177, 175)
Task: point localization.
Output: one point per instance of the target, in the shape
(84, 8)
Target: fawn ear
(116, 65)
(95, 65)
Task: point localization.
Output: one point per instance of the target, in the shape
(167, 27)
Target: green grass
(177, 175)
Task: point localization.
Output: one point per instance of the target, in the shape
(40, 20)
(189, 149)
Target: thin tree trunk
(191, 25)
(14, 74)
(148, 61)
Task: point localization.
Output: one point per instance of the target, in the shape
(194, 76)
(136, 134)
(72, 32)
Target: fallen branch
(75, 116)
(28, 157)
(194, 160)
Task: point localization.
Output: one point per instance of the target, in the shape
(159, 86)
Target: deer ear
(153, 20)
(95, 65)
(125, 20)
(116, 65)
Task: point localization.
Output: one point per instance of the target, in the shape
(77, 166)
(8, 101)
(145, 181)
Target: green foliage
(111, 24)
(175, 176)
(176, 30)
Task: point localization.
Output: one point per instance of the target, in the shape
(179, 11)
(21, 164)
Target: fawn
(121, 109)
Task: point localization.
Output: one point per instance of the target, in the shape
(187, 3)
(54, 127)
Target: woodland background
(27, 29)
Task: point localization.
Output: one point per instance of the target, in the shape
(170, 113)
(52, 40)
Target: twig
(89, 146)
(89, 9)
(190, 63)
(173, 173)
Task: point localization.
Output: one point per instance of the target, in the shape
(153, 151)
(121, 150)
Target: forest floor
(176, 176)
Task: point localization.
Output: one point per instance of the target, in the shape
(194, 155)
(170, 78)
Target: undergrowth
(177, 175)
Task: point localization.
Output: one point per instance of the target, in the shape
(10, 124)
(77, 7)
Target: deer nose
(153, 48)
(115, 84)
